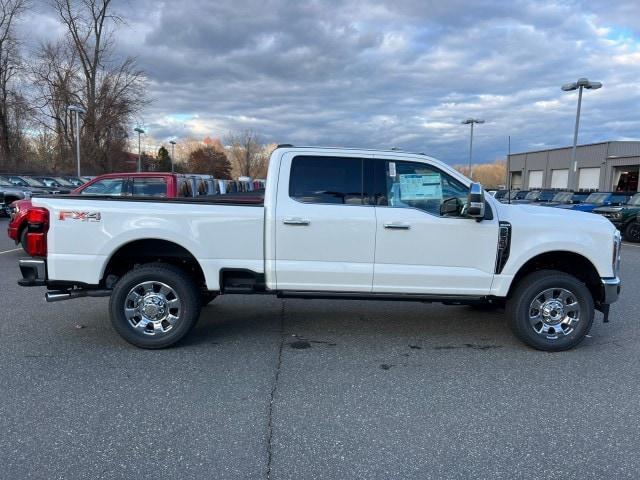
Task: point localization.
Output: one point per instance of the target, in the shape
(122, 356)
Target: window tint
(421, 186)
(326, 180)
(108, 186)
(150, 186)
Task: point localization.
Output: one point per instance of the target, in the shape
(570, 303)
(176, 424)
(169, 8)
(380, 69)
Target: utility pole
(140, 132)
(77, 110)
(471, 121)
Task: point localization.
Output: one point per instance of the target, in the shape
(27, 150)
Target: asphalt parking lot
(266, 388)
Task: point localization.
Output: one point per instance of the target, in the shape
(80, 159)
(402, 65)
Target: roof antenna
(509, 172)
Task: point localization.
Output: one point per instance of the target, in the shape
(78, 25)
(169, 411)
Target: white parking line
(630, 245)
(9, 251)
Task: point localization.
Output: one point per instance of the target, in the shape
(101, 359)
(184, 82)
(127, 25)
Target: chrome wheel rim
(554, 313)
(152, 308)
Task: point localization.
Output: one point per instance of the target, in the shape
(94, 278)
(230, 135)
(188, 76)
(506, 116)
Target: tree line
(37, 131)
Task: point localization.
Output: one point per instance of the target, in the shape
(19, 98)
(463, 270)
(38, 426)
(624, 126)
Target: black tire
(172, 326)
(207, 297)
(554, 338)
(632, 232)
(23, 240)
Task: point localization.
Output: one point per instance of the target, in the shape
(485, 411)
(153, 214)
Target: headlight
(617, 215)
(617, 241)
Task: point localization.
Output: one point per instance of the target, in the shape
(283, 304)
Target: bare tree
(245, 151)
(56, 77)
(11, 101)
(110, 92)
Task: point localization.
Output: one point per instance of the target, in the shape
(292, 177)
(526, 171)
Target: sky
(400, 73)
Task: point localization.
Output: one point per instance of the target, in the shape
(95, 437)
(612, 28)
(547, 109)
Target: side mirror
(475, 202)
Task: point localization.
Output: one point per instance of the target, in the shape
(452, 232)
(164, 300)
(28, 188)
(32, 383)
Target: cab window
(107, 186)
(332, 180)
(149, 187)
(421, 186)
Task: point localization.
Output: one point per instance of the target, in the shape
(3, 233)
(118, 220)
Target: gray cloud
(383, 74)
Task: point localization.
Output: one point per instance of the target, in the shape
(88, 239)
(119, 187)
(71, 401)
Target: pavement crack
(274, 390)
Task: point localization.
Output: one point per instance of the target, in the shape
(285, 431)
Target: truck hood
(554, 217)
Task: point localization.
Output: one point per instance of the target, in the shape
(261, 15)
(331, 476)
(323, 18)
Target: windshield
(26, 180)
(563, 197)
(532, 195)
(597, 198)
(64, 182)
(635, 200)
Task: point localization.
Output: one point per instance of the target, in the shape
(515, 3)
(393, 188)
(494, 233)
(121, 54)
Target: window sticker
(392, 169)
(421, 187)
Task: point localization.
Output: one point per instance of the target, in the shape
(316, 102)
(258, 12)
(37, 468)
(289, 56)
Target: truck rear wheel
(550, 310)
(154, 306)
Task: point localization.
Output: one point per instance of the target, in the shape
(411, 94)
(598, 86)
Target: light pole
(173, 144)
(140, 132)
(471, 121)
(568, 87)
(78, 110)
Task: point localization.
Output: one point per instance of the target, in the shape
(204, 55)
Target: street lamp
(471, 121)
(173, 144)
(140, 132)
(78, 110)
(568, 87)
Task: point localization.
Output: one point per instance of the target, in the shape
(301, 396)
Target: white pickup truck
(333, 223)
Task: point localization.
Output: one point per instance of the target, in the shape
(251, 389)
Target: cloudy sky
(399, 73)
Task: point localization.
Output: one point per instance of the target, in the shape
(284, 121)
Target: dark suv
(625, 218)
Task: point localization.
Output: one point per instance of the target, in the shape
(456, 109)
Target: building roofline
(577, 146)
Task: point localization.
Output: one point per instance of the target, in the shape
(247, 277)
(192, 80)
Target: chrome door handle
(296, 221)
(397, 226)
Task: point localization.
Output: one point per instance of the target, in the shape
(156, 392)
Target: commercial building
(607, 166)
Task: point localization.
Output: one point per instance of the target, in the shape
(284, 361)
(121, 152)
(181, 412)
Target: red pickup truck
(143, 184)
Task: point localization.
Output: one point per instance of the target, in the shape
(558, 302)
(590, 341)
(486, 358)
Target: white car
(334, 223)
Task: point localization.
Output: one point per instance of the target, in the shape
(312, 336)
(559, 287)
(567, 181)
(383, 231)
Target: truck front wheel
(154, 306)
(550, 310)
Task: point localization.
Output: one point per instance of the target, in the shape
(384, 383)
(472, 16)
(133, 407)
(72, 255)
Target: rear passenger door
(325, 231)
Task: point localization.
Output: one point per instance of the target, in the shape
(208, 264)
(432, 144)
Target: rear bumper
(34, 272)
(611, 290)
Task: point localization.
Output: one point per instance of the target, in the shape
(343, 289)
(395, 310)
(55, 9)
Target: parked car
(514, 195)
(536, 196)
(335, 223)
(54, 184)
(567, 198)
(13, 192)
(625, 218)
(599, 199)
(501, 194)
(76, 181)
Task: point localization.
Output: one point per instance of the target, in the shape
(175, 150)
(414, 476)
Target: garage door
(516, 180)
(560, 178)
(535, 179)
(589, 178)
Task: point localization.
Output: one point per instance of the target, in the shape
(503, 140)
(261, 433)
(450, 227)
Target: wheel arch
(149, 250)
(568, 262)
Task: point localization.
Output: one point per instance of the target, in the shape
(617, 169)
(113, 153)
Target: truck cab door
(324, 230)
(422, 246)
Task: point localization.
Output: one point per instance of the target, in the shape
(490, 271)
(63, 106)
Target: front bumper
(611, 290)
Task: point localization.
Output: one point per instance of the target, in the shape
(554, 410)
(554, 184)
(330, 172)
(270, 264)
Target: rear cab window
(149, 187)
(106, 186)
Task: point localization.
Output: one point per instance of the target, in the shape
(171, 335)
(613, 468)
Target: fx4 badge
(82, 216)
